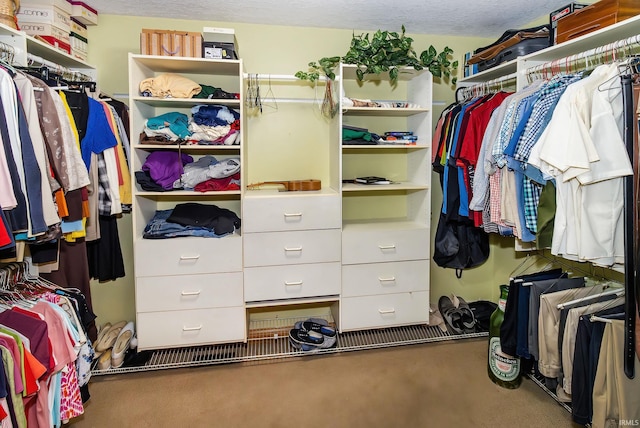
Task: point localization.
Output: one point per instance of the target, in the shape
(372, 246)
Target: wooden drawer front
(170, 293)
(384, 311)
(385, 278)
(187, 328)
(291, 282)
(304, 212)
(384, 246)
(181, 256)
(285, 248)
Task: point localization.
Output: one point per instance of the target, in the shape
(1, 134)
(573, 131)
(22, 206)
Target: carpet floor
(443, 384)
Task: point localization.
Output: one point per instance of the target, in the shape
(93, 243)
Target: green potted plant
(385, 51)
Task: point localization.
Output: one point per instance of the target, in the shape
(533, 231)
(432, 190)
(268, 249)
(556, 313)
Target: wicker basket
(8, 9)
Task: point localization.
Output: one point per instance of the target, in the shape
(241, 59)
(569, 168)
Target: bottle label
(502, 304)
(503, 366)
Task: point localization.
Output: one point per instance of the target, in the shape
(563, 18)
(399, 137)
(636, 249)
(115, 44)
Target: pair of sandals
(457, 315)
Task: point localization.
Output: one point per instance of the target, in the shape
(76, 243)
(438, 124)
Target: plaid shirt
(104, 202)
(541, 114)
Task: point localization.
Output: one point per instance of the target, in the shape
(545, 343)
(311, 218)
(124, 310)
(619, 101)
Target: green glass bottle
(504, 370)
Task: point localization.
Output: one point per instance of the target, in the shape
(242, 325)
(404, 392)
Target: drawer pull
(386, 311)
(293, 249)
(293, 214)
(387, 247)
(191, 293)
(192, 328)
(196, 257)
(390, 279)
(292, 283)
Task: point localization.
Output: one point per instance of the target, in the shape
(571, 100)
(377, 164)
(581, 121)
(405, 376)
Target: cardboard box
(46, 15)
(84, 13)
(79, 44)
(79, 28)
(171, 43)
(60, 4)
(560, 13)
(219, 43)
(42, 29)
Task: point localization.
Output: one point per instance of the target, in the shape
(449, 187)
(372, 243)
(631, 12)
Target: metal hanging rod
(34, 60)
(610, 52)
(276, 77)
(489, 86)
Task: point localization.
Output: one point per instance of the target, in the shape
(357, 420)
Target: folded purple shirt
(165, 167)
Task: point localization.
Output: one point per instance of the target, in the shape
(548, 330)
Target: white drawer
(285, 248)
(370, 246)
(385, 278)
(291, 212)
(188, 328)
(181, 256)
(291, 282)
(169, 293)
(384, 310)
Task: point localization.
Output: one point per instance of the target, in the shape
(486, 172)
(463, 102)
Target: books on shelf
(372, 180)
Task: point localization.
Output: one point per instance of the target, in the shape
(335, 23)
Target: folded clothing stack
(312, 335)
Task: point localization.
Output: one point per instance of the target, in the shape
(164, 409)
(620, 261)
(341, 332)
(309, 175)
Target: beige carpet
(431, 385)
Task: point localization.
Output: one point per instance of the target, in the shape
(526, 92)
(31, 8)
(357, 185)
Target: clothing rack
(488, 87)
(612, 52)
(277, 77)
(588, 59)
(67, 73)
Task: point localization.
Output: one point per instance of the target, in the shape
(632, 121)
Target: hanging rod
(36, 60)
(610, 52)
(277, 77)
(485, 87)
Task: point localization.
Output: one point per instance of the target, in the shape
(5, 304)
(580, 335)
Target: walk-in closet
(274, 214)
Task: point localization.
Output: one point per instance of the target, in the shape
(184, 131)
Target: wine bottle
(504, 370)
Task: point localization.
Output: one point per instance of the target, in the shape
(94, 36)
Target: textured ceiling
(482, 18)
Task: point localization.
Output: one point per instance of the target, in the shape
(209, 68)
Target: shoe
(435, 318)
(104, 362)
(452, 317)
(468, 319)
(305, 337)
(121, 345)
(109, 337)
(309, 325)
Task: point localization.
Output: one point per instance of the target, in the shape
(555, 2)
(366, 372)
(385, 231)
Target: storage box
(84, 13)
(170, 43)
(60, 4)
(42, 29)
(45, 14)
(595, 17)
(58, 44)
(79, 46)
(560, 13)
(79, 28)
(219, 43)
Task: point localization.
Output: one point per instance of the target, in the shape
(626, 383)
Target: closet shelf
(289, 302)
(186, 193)
(383, 112)
(170, 64)
(362, 147)
(187, 147)
(184, 102)
(399, 186)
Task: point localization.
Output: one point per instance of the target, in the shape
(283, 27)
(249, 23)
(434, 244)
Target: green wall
(277, 50)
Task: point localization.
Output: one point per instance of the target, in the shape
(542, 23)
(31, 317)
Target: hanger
(616, 291)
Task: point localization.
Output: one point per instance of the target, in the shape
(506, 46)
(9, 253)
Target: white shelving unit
(385, 228)
(189, 291)
(24, 45)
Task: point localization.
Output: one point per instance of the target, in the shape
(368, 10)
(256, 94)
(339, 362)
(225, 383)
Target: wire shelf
(268, 340)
